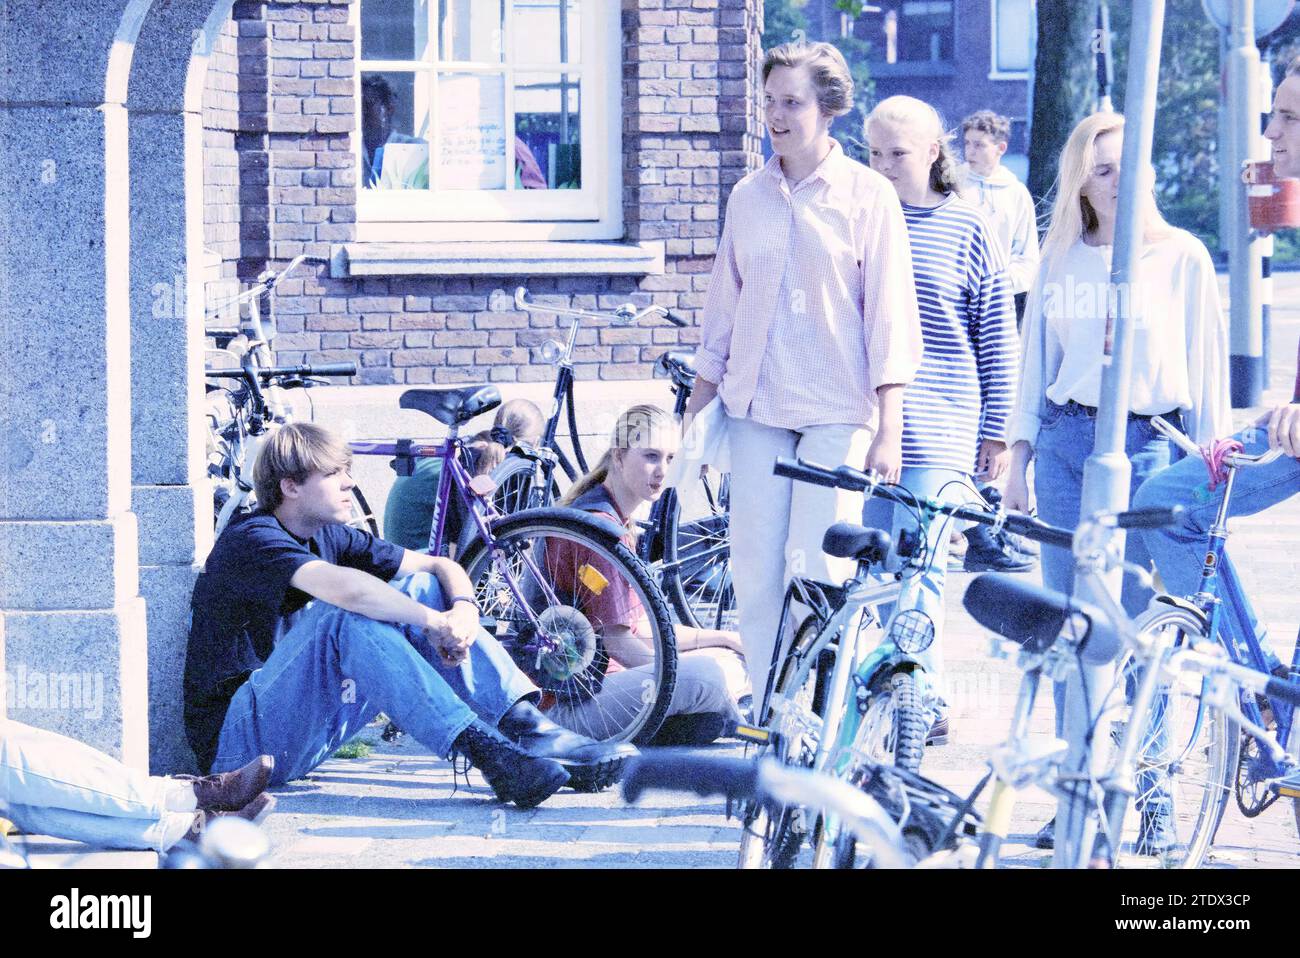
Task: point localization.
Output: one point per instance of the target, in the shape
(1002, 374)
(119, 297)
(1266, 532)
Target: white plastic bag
(705, 444)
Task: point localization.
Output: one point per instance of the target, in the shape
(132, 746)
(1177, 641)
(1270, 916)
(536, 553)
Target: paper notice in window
(473, 133)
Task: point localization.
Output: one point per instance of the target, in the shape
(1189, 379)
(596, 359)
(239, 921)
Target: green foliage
(357, 748)
(1185, 142)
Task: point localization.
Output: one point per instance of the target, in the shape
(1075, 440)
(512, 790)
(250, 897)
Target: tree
(1065, 84)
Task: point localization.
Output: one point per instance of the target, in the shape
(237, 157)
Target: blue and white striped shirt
(966, 386)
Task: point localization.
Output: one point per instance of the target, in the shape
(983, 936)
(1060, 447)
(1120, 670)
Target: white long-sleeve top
(1180, 339)
(1010, 210)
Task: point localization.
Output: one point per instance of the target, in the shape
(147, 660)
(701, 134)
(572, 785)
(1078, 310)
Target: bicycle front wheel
(1186, 762)
(696, 535)
(582, 617)
(363, 517)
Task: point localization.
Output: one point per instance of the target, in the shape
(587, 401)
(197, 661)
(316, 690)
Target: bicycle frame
(481, 510)
(1222, 600)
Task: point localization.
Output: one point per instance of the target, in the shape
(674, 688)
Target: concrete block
(64, 342)
(175, 522)
(166, 326)
(167, 590)
(48, 565)
(81, 674)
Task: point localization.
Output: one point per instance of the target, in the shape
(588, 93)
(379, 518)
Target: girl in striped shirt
(955, 412)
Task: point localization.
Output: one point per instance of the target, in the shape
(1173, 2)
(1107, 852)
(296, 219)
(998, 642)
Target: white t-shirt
(1180, 337)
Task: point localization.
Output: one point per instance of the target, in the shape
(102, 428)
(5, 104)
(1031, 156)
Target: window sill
(497, 259)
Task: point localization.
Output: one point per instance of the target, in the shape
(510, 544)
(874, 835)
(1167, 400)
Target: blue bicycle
(1218, 613)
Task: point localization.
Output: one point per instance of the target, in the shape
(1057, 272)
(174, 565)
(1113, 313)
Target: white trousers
(777, 524)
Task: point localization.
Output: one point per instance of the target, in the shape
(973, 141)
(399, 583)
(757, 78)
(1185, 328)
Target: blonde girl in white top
(1180, 348)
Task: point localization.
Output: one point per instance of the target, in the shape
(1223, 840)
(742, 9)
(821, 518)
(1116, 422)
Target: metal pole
(1265, 243)
(1244, 257)
(1107, 471)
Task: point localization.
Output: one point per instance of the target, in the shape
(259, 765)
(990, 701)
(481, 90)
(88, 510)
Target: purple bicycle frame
(482, 509)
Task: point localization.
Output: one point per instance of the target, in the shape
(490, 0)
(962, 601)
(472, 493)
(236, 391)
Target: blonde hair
(295, 451)
(827, 67)
(636, 427)
(923, 120)
(516, 420)
(1072, 215)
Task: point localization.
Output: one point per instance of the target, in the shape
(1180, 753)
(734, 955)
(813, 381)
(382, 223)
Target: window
(910, 31)
(488, 119)
(1012, 30)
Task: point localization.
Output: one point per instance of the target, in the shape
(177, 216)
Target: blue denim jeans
(923, 592)
(1065, 442)
(1179, 550)
(333, 671)
(54, 785)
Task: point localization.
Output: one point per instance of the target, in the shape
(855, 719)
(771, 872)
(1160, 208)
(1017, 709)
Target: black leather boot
(592, 765)
(515, 776)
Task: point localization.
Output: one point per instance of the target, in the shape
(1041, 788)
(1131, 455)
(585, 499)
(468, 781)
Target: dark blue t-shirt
(242, 601)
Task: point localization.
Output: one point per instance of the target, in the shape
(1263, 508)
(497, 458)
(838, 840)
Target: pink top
(811, 306)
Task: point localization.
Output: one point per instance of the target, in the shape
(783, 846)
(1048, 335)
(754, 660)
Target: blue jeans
(54, 785)
(1065, 442)
(1179, 550)
(333, 671)
(923, 592)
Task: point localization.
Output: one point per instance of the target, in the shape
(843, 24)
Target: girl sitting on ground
(711, 676)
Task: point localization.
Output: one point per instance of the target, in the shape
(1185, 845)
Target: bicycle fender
(1185, 605)
(602, 529)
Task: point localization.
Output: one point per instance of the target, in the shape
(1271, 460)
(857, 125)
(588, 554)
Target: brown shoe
(232, 791)
(255, 811)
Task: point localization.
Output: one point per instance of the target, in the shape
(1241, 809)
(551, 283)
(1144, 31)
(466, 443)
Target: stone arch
(99, 117)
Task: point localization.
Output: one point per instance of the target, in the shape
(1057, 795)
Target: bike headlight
(551, 351)
(911, 631)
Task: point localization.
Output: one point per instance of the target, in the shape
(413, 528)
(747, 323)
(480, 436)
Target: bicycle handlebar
(1237, 459)
(268, 373)
(625, 314)
(681, 770)
(852, 480)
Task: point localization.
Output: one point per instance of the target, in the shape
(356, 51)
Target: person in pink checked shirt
(809, 334)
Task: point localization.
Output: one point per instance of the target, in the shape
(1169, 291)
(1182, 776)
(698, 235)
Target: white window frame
(593, 211)
(995, 71)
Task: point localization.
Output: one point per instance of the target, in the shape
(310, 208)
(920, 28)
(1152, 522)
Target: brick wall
(221, 187)
(690, 128)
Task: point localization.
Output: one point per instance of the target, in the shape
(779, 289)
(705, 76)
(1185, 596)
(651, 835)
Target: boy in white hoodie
(988, 184)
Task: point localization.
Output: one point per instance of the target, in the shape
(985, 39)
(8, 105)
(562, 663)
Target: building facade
(435, 153)
(958, 55)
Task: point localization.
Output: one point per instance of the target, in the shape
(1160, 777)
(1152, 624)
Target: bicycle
(686, 535)
(242, 418)
(828, 706)
(1055, 632)
(1218, 612)
(550, 583)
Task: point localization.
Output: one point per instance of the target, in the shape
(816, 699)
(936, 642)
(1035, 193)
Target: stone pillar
(169, 492)
(74, 623)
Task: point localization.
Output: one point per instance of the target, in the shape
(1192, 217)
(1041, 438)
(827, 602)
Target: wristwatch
(463, 598)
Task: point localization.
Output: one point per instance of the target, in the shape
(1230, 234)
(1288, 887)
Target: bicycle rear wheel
(560, 592)
(363, 517)
(1187, 761)
(517, 488)
(696, 572)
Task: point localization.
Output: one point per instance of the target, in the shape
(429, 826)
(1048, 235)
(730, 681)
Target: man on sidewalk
(298, 640)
